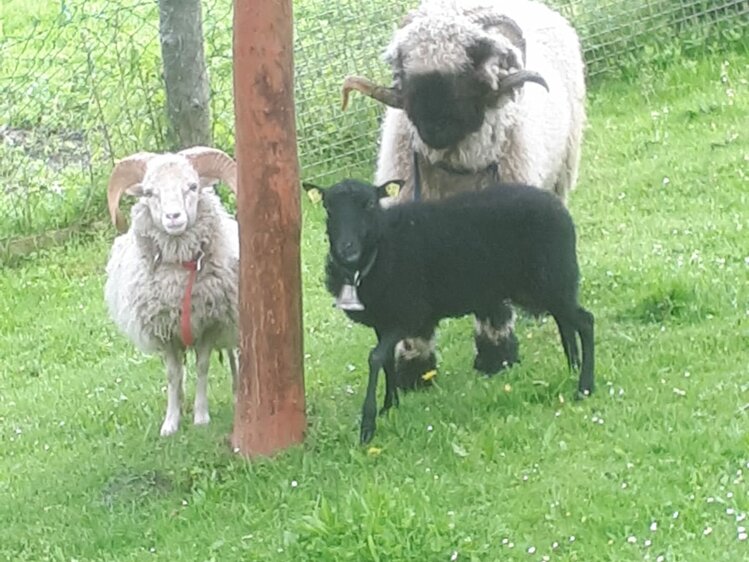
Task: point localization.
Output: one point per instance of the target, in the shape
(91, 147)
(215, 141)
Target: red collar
(192, 266)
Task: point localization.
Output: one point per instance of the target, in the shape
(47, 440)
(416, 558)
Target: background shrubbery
(81, 84)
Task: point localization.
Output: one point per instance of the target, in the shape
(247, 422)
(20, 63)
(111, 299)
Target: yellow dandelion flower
(429, 375)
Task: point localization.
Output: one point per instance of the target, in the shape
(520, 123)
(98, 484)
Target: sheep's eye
(193, 186)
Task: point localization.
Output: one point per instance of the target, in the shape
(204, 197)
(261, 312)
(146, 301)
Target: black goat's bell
(348, 299)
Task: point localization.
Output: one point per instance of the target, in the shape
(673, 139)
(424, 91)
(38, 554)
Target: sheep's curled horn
(393, 97)
(505, 25)
(207, 162)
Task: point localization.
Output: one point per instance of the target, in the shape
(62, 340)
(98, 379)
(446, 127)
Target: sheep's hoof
(491, 358)
(169, 427)
(202, 418)
(385, 409)
(366, 434)
(583, 394)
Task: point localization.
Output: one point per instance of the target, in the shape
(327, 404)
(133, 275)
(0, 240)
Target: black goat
(401, 270)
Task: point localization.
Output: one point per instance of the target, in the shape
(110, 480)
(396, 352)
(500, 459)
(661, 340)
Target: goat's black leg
(568, 334)
(584, 324)
(496, 343)
(391, 384)
(377, 358)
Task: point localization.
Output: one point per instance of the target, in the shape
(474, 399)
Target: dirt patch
(134, 488)
(57, 149)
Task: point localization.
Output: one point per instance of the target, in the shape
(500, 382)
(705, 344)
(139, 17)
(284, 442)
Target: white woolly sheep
(459, 119)
(172, 278)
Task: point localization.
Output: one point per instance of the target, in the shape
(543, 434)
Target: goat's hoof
(366, 434)
(202, 418)
(169, 427)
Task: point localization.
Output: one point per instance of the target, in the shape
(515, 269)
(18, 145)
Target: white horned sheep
(172, 278)
(460, 118)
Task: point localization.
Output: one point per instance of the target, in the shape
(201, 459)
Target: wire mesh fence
(81, 84)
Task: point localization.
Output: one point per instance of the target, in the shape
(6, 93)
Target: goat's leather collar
(492, 168)
(348, 299)
(192, 266)
(355, 276)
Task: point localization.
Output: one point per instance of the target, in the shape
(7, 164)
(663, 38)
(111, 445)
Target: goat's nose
(173, 216)
(348, 252)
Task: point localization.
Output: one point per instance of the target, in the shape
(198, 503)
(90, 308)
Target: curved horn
(389, 96)
(213, 163)
(507, 26)
(126, 173)
(511, 81)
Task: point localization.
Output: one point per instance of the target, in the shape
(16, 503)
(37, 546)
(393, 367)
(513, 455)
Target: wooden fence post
(269, 413)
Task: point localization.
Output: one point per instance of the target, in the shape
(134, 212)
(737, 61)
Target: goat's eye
(193, 186)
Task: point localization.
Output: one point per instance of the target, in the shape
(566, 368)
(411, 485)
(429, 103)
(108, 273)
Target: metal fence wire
(81, 84)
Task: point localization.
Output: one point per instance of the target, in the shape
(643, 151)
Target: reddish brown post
(269, 413)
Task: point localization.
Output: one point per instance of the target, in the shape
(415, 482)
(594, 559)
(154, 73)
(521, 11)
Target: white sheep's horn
(389, 96)
(213, 163)
(126, 173)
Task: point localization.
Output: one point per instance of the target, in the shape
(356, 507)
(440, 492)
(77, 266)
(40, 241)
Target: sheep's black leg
(496, 344)
(377, 358)
(415, 357)
(584, 324)
(568, 334)
(391, 386)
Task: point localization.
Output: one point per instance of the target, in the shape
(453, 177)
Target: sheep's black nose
(435, 137)
(348, 253)
(173, 216)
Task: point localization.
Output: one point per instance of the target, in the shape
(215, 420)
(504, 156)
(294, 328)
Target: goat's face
(445, 108)
(171, 191)
(352, 224)
(448, 70)
(168, 184)
(353, 219)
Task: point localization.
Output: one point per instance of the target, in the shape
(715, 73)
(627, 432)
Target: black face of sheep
(414, 264)
(445, 108)
(352, 224)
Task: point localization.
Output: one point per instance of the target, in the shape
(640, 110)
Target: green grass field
(651, 468)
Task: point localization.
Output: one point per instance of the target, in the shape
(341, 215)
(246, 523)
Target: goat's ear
(494, 59)
(314, 192)
(207, 181)
(135, 190)
(390, 188)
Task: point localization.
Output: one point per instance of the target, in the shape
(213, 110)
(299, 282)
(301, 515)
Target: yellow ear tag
(314, 195)
(392, 189)
(429, 375)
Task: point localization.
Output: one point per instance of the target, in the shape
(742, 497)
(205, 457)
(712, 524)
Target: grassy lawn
(651, 468)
